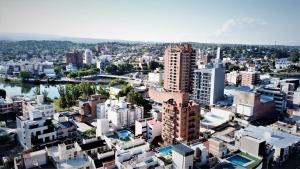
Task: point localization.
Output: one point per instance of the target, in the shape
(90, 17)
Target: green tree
(2, 93)
(136, 98)
(90, 133)
(87, 89)
(117, 82)
(45, 94)
(125, 90)
(62, 99)
(153, 65)
(4, 139)
(294, 57)
(103, 92)
(25, 75)
(112, 69)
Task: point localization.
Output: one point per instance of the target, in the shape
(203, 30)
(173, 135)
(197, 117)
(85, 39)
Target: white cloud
(239, 24)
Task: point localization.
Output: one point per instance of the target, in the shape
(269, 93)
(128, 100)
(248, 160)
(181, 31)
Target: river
(28, 89)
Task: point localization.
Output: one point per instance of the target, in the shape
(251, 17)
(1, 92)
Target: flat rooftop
(272, 136)
(183, 149)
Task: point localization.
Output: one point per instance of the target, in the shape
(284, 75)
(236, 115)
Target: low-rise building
(250, 78)
(182, 157)
(233, 77)
(120, 113)
(6, 109)
(127, 147)
(67, 156)
(155, 77)
(282, 143)
(277, 94)
(250, 105)
(217, 148)
(35, 130)
(148, 128)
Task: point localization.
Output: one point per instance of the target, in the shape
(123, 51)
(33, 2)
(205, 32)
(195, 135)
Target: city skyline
(243, 22)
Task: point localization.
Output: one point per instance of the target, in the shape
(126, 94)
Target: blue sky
(219, 21)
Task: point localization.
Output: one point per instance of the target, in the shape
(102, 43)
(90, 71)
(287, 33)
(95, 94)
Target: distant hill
(7, 36)
(30, 36)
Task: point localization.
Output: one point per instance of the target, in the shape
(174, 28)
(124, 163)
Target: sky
(207, 21)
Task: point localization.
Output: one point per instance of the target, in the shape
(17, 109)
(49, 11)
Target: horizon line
(65, 38)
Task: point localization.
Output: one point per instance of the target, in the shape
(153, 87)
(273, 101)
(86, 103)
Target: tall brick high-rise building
(75, 58)
(179, 64)
(180, 118)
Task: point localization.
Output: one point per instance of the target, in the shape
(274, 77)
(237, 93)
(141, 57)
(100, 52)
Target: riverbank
(286, 75)
(15, 80)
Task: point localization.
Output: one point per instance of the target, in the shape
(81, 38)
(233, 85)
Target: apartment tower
(75, 58)
(180, 118)
(179, 64)
(250, 78)
(208, 86)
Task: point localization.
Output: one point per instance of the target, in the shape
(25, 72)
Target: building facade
(75, 58)
(120, 113)
(277, 94)
(208, 85)
(180, 119)
(179, 64)
(149, 128)
(250, 78)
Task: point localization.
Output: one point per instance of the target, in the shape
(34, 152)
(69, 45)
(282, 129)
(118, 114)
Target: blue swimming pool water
(166, 150)
(123, 134)
(239, 160)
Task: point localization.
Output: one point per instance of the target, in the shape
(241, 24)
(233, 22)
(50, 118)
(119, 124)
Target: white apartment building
(70, 157)
(182, 157)
(88, 57)
(155, 77)
(35, 126)
(233, 77)
(282, 63)
(209, 83)
(281, 142)
(34, 130)
(120, 113)
(71, 68)
(46, 68)
(38, 105)
(149, 128)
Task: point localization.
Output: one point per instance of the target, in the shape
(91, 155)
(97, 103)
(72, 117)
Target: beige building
(179, 64)
(217, 147)
(250, 78)
(252, 106)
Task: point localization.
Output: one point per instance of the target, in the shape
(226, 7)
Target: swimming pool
(239, 160)
(165, 150)
(123, 133)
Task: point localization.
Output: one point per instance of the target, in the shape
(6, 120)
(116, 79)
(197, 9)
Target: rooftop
(183, 149)
(244, 160)
(92, 145)
(273, 137)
